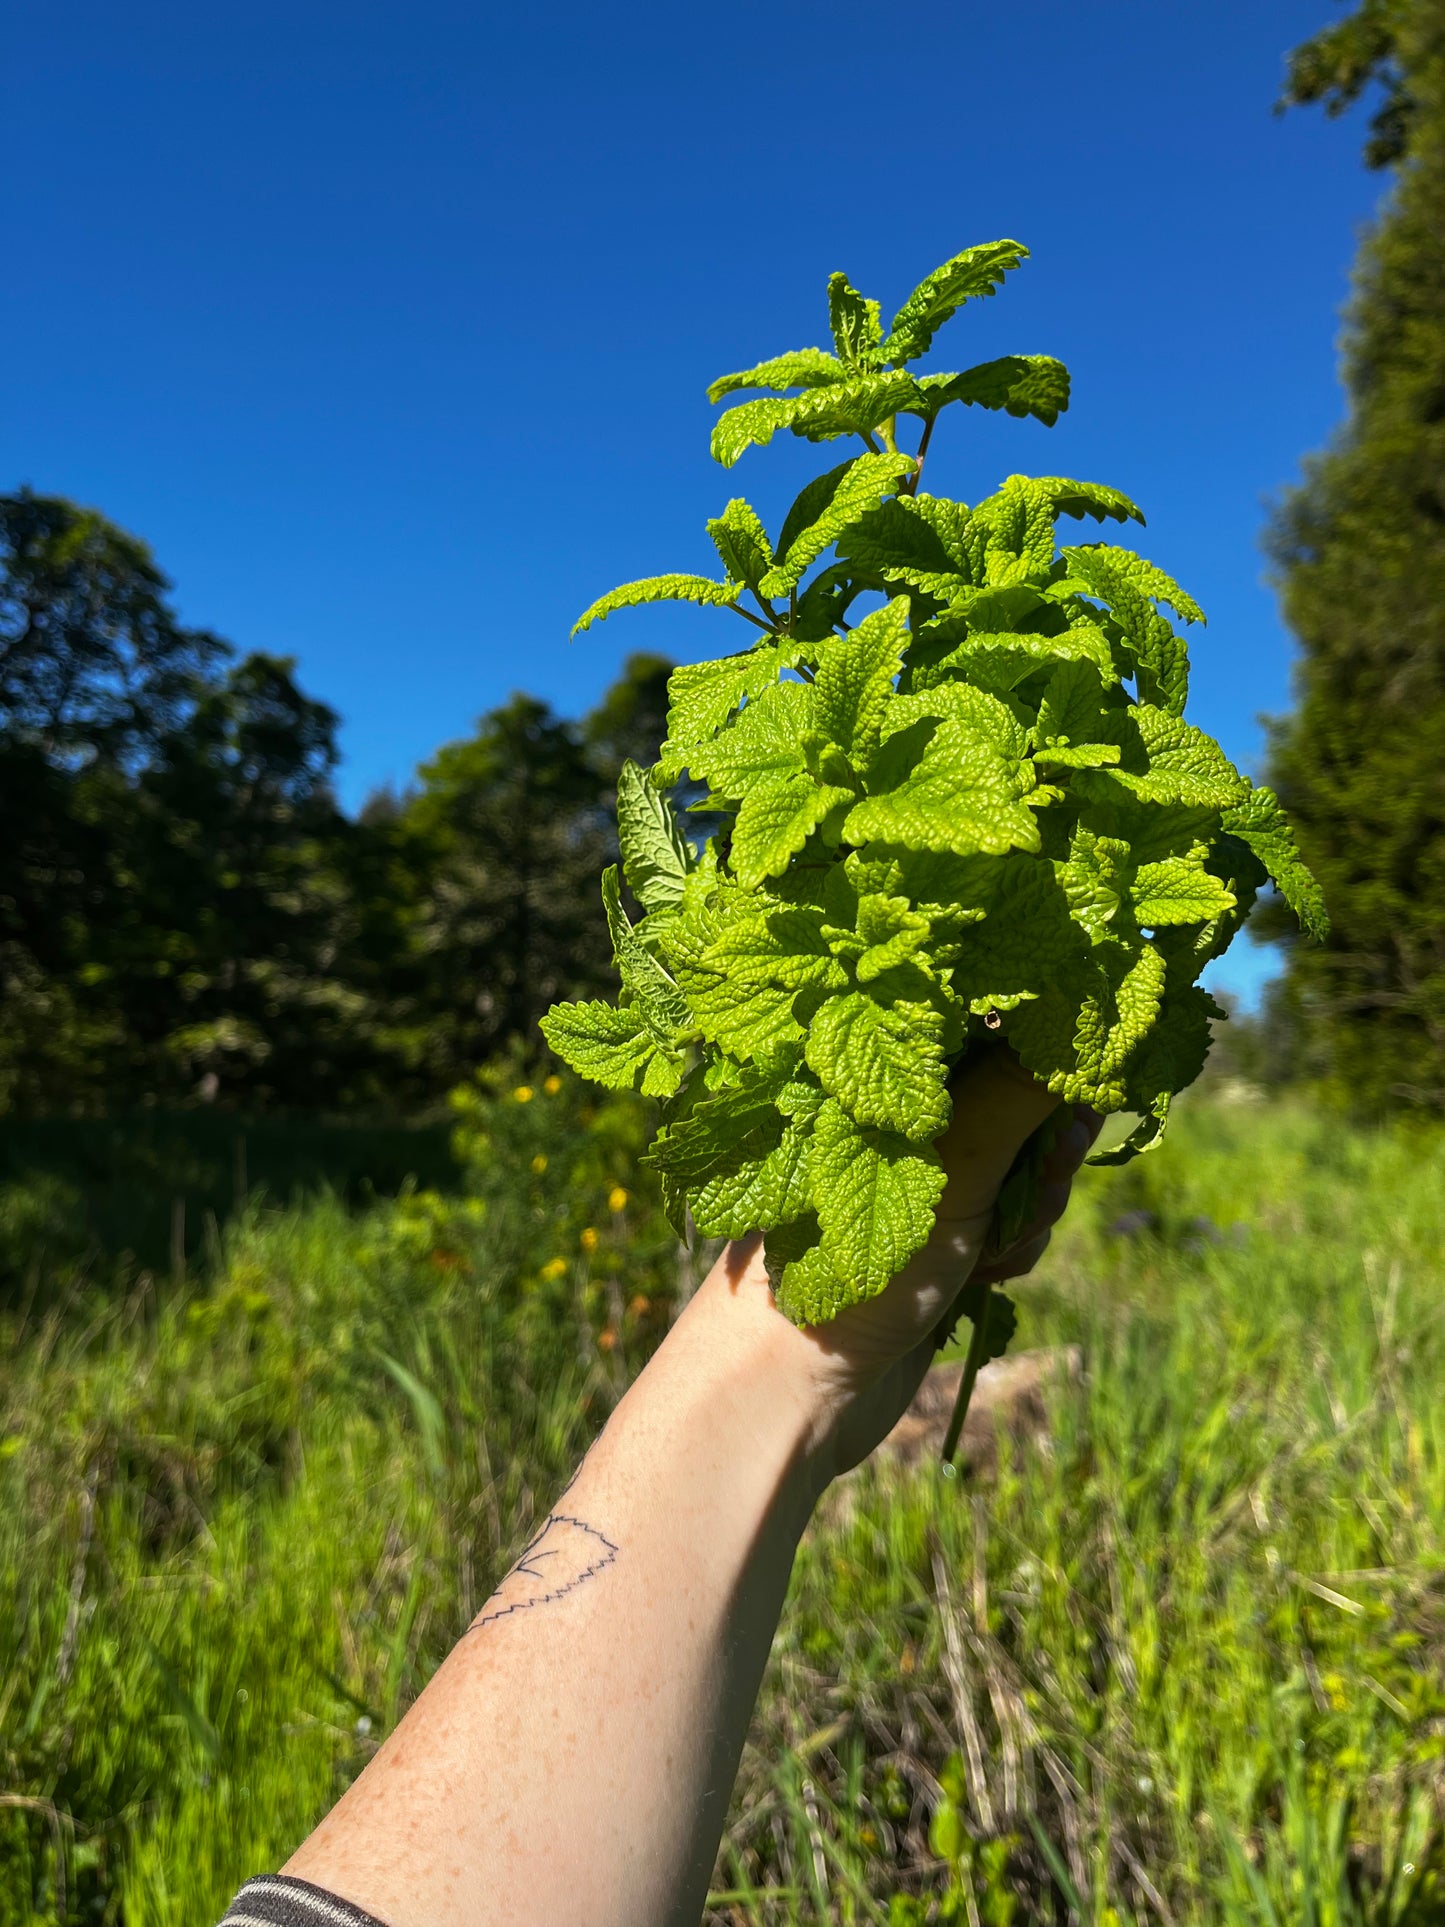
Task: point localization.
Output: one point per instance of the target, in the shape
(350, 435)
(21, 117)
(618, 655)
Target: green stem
(971, 1366)
(922, 454)
(748, 616)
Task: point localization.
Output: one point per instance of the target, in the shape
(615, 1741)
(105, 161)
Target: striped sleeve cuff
(272, 1900)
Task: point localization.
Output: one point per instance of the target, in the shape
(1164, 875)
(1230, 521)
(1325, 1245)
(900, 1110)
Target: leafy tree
(1360, 554)
(93, 664)
(506, 833)
(94, 671)
(1337, 65)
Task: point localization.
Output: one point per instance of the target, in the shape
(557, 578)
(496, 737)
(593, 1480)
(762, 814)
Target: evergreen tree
(1360, 553)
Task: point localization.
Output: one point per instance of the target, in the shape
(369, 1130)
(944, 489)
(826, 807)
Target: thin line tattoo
(563, 1556)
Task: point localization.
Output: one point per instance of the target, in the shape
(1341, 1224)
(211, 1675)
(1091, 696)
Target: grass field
(1181, 1660)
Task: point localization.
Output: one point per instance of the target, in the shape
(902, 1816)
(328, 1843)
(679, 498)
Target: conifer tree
(1359, 549)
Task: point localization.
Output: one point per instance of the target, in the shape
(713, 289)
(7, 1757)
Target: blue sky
(388, 326)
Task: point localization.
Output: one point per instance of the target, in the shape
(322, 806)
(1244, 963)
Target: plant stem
(923, 442)
(748, 616)
(971, 1366)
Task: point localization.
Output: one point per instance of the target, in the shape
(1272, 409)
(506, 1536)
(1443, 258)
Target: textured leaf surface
(1021, 385)
(857, 330)
(858, 489)
(658, 999)
(658, 588)
(611, 1046)
(956, 793)
(703, 695)
(876, 1194)
(742, 543)
(851, 407)
(855, 680)
(803, 368)
(656, 856)
(973, 273)
(884, 1064)
(1261, 823)
(1179, 890)
(776, 820)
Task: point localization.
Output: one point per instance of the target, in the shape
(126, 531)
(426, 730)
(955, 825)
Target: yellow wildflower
(554, 1268)
(523, 1093)
(539, 1163)
(551, 1085)
(589, 1239)
(617, 1199)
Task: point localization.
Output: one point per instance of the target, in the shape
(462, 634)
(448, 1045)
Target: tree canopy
(1359, 553)
(186, 913)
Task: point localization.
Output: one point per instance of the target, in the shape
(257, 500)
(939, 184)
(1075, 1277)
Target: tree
(93, 664)
(1359, 550)
(508, 830)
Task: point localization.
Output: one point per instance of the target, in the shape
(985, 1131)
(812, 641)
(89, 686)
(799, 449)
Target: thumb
(997, 1106)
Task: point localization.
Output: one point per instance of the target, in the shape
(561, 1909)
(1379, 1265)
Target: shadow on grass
(157, 1188)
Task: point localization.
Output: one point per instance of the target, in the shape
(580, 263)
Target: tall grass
(1181, 1659)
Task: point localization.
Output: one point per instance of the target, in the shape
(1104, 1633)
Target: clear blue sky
(388, 325)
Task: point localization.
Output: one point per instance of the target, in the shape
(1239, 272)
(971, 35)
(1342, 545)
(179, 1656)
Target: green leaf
(1178, 890)
(1028, 944)
(1259, 821)
(983, 714)
(890, 931)
(951, 791)
(1095, 878)
(1089, 498)
(1072, 710)
(1115, 1015)
(857, 490)
(741, 1162)
(662, 1005)
(766, 742)
(786, 947)
(1152, 582)
(776, 819)
(610, 1046)
(1021, 518)
(852, 407)
(742, 543)
(975, 272)
(1183, 759)
(897, 542)
(884, 1064)
(803, 368)
(855, 679)
(875, 1194)
(656, 856)
(658, 588)
(857, 331)
(1021, 385)
(703, 695)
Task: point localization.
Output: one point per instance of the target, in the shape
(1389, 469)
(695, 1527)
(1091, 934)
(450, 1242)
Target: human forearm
(573, 1758)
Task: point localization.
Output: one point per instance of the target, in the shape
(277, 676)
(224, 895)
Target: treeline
(186, 913)
(1360, 552)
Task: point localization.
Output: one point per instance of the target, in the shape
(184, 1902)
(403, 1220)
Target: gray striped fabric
(274, 1901)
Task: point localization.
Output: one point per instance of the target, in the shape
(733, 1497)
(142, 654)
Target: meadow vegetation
(1178, 1660)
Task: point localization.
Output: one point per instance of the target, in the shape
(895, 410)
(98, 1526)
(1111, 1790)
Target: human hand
(870, 1360)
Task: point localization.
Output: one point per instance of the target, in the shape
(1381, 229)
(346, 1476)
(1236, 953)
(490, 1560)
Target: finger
(1073, 1143)
(996, 1106)
(1015, 1262)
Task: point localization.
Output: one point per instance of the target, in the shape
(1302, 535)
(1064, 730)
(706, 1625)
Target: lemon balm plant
(959, 799)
